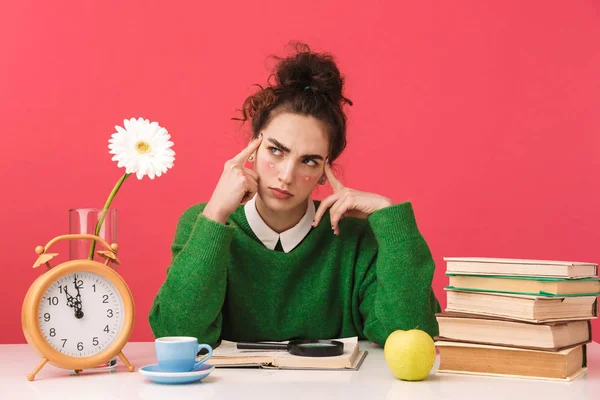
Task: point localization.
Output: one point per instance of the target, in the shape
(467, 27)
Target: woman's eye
(275, 151)
(310, 163)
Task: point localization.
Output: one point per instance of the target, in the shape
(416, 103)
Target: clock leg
(31, 376)
(130, 367)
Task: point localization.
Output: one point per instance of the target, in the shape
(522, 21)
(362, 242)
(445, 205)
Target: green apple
(410, 355)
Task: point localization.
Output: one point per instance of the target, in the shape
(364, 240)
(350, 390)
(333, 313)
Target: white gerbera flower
(143, 148)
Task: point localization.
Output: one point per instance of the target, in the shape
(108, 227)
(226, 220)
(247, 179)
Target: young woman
(263, 261)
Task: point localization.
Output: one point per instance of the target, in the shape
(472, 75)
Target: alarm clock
(78, 314)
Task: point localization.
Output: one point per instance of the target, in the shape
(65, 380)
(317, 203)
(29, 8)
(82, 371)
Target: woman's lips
(281, 194)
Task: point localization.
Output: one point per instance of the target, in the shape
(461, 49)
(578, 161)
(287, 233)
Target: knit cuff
(394, 224)
(210, 239)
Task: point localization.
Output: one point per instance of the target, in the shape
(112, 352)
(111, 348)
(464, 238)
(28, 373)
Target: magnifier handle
(262, 346)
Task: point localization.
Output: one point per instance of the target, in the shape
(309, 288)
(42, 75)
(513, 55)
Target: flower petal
(127, 125)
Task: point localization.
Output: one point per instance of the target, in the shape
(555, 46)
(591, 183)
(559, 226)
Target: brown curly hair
(305, 83)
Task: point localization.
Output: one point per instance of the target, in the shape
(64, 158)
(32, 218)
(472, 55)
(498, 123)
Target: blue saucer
(155, 374)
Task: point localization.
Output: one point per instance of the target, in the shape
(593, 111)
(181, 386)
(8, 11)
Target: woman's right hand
(237, 185)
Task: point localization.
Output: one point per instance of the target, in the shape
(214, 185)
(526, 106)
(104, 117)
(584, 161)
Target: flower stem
(104, 211)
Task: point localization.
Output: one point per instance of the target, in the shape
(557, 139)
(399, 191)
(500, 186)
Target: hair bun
(304, 83)
(309, 69)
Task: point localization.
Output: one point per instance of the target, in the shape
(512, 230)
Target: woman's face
(290, 160)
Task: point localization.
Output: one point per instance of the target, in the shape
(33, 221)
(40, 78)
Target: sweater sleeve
(396, 271)
(189, 301)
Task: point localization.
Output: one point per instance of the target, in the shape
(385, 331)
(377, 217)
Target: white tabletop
(372, 381)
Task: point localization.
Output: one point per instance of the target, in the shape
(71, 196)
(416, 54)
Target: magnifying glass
(306, 348)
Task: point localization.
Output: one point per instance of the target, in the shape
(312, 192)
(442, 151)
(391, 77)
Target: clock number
(61, 288)
(109, 313)
(106, 329)
(80, 346)
(105, 298)
(95, 341)
(46, 317)
(52, 301)
(52, 332)
(64, 342)
(94, 286)
(80, 284)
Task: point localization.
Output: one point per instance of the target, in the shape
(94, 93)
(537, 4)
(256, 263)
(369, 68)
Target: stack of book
(519, 318)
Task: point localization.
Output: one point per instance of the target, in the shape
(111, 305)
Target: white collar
(290, 238)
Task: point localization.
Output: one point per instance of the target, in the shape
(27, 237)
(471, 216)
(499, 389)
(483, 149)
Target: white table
(372, 381)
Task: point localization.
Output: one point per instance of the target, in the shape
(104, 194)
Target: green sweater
(372, 279)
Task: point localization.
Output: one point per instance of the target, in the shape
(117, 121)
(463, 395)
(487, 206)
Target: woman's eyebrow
(278, 144)
(312, 157)
(287, 150)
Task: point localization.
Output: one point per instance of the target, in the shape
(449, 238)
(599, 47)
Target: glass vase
(84, 220)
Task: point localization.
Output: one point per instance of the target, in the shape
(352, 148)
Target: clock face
(81, 314)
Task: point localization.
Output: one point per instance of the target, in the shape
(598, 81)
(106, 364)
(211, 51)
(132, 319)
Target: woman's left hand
(346, 202)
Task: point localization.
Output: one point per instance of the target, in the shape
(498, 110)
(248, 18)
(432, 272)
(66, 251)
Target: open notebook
(228, 355)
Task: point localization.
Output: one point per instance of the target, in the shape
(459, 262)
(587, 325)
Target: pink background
(483, 114)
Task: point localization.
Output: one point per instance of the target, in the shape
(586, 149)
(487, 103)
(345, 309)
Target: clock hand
(78, 304)
(70, 301)
(78, 297)
(74, 303)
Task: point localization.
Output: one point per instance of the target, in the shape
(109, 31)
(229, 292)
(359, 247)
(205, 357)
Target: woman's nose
(286, 172)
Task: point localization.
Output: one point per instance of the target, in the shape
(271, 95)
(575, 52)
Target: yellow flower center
(143, 147)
